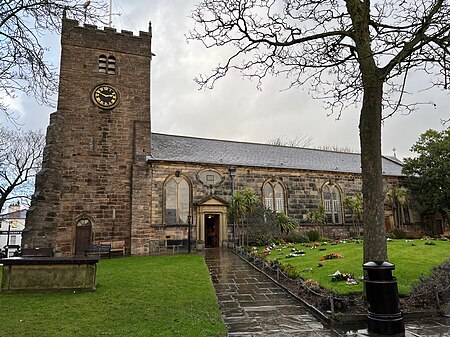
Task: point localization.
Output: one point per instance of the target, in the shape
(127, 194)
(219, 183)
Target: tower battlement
(107, 38)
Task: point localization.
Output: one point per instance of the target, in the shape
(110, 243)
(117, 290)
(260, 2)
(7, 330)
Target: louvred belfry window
(107, 65)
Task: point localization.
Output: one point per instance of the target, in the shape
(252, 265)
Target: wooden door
(82, 239)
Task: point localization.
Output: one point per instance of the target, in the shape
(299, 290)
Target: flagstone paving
(252, 305)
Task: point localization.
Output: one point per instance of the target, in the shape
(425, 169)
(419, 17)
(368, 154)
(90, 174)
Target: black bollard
(384, 315)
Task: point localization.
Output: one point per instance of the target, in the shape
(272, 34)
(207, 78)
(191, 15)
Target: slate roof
(213, 151)
(20, 214)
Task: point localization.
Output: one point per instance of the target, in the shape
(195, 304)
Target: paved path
(252, 305)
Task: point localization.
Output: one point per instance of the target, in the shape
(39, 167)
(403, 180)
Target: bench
(174, 245)
(98, 249)
(37, 252)
(116, 246)
(10, 250)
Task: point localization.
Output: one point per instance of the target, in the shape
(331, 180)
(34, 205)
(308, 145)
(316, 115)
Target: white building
(12, 224)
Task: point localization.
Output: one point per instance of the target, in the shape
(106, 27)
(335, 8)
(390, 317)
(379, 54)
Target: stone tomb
(48, 273)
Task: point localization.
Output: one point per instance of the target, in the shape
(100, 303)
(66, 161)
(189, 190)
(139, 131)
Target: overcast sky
(234, 109)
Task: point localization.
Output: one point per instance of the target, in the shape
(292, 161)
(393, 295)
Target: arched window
(403, 216)
(177, 196)
(332, 202)
(273, 196)
(107, 65)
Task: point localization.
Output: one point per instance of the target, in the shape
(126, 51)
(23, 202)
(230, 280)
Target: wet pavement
(252, 305)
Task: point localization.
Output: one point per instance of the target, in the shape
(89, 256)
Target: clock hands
(105, 95)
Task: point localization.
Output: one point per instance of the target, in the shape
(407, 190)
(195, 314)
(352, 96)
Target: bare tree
(22, 64)
(299, 141)
(307, 142)
(337, 148)
(21, 160)
(349, 52)
(3, 138)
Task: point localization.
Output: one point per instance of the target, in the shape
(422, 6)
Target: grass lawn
(135, 296)
(410, 262)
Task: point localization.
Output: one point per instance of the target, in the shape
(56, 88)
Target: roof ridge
(255, 143)
(393, 159)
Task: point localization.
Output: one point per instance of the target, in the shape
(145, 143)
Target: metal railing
(326, 302)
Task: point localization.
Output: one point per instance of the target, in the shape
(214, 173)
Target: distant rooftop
(19, 214)
(212, 151)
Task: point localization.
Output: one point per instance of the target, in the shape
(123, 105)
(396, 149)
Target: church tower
(96, 143)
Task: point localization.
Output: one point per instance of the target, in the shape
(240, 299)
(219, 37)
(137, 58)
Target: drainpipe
(189, 232)
(232, 171)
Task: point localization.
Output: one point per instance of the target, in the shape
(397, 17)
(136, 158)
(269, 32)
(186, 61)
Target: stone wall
(303, 190)
(140, 230)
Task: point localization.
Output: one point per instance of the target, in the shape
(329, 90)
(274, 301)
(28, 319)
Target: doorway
(83, 236)
(212, 230)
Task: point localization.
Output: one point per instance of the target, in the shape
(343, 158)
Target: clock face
(105, 96)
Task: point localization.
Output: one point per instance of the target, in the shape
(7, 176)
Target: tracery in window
(273, 196)
(177, 197)
(331, 196)
(84, 222)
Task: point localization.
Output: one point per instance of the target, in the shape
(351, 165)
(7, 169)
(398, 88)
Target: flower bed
(303, 268)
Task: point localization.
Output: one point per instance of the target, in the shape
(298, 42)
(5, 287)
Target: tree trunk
(372, 181)
(2, 203)
(370, 134)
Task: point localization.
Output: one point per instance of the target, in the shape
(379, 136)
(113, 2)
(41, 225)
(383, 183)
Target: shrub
(389, 235)
(273, 263)
(285, 223)
(424, 292)
(398, 233)
(290, 271)
(260, 240)
(312, 285)
(248, 249)
(296, 237)
(313, 235)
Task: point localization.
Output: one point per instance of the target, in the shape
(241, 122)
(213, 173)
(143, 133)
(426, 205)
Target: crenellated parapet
(107, 38)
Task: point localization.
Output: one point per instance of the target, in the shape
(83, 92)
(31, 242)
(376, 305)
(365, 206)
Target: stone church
(107, 177)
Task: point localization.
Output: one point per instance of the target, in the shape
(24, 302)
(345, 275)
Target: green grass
(135, 296)
(410, 262)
